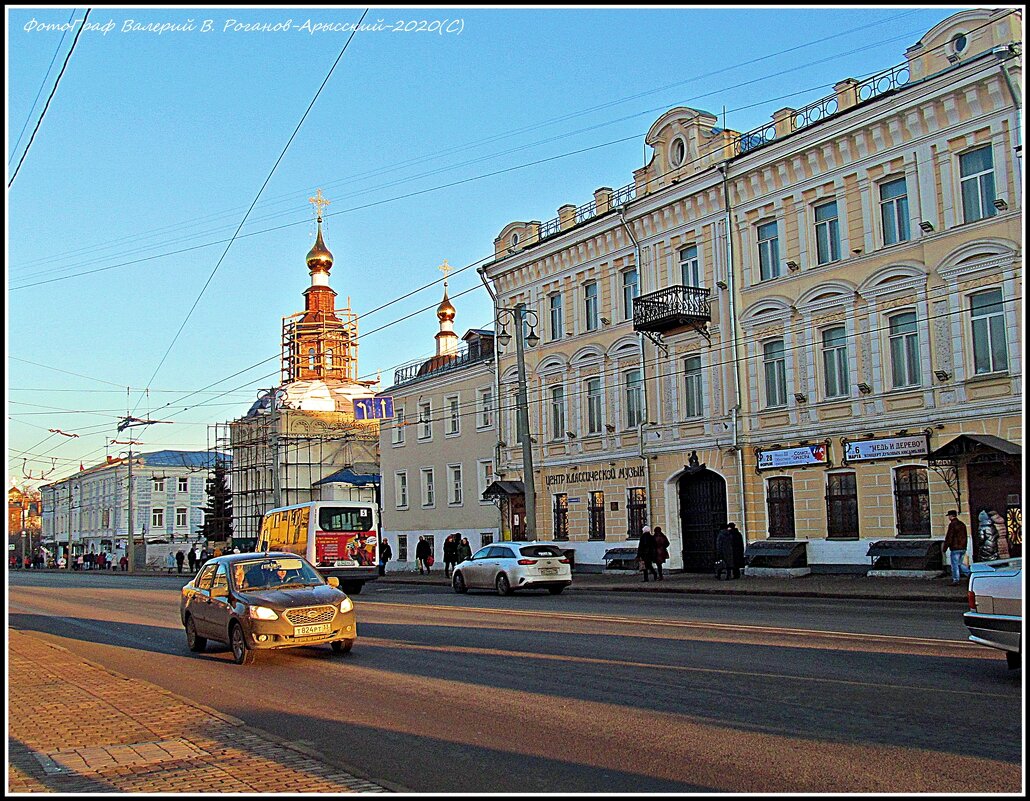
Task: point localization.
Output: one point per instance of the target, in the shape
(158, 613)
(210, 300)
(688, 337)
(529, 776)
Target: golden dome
(445, 311)
(319, 256)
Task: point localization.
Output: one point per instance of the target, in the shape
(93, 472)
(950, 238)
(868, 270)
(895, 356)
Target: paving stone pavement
(77, 727)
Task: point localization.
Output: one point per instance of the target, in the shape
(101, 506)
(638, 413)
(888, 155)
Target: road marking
(738, 627)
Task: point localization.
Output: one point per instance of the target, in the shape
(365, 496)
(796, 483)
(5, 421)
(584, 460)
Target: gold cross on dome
(445, 268)
(319, 202)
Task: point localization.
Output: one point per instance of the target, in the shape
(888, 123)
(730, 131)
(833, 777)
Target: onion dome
(445, 311)
(319, 257)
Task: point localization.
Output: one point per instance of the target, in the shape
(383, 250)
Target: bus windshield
(343, 518)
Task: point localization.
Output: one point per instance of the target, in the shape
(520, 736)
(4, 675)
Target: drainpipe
(1019, 122)
(732, 290)
(497, 395)
(643, 369)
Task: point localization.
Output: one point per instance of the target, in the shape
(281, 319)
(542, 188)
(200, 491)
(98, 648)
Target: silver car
(509, 566)
(995, 616)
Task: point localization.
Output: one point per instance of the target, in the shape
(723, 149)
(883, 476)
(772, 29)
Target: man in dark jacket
(385, 555)
(647, 550)
(422, 554)
(737, 546)
(956, 541)
(450, 553)
(180, 557)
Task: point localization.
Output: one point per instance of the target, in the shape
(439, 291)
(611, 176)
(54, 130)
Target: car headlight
(263, 613)
(346, 605)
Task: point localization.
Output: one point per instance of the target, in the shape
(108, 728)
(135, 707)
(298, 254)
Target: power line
(268, 178)
(52, 93)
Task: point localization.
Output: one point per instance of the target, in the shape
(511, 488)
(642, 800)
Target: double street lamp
(520, 317)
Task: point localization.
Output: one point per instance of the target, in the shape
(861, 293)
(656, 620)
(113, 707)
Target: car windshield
(541, 551)
(273, 572)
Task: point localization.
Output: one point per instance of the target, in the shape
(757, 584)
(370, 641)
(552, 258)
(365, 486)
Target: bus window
(339, 518)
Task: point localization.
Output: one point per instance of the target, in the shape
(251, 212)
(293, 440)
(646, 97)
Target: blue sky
(155, 143)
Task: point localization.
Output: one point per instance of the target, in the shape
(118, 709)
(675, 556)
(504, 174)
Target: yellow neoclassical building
(812, 329)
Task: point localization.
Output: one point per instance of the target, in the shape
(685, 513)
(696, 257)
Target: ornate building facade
(811, 329)
(304, 431)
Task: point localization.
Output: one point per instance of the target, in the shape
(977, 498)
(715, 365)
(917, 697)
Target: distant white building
(90, 509)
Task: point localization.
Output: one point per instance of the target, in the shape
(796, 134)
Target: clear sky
(158, 142)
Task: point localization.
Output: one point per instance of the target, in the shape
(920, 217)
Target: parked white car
(995, 616)
(509, 566)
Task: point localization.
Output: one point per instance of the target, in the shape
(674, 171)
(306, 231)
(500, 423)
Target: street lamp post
(518, 317)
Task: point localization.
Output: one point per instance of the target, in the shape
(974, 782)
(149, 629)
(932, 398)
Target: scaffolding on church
(331, 342)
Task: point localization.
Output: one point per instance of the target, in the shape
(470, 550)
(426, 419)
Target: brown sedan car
(260, 601)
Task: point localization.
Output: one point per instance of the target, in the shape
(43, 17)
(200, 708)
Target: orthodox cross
(445, 268)
(319, 202)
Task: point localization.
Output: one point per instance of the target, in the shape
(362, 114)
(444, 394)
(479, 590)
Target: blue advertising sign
(380, 408)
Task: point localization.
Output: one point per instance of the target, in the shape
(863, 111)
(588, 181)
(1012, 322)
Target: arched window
(329, 358)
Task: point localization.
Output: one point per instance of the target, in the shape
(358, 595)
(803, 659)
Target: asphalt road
(590, 692)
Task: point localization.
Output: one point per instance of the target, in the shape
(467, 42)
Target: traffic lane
(590, 745)
(676, 676)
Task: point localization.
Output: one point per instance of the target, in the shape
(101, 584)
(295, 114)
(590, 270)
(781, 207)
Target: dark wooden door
(702, 515)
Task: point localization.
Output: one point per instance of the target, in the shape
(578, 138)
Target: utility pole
(68, 566)
(519, 316)
(131, 422)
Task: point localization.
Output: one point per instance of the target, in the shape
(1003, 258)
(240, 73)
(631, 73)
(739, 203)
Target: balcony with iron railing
(670, 308)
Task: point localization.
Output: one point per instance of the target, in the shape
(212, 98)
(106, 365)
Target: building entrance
(702, 514)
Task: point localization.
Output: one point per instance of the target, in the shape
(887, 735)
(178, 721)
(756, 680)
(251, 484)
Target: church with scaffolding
(300, 440)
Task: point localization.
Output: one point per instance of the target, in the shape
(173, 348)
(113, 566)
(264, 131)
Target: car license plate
(548, 571)
(306, 631)
(344, 563)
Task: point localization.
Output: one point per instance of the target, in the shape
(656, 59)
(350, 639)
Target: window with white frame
(157, 518)
(894, 211)
(634, 384)
(453, 415)
(693, 400)
(180, 517)
(557, 412)
(455, 495)
(425, 420)
(775, 366)
(557, 320)
(904, 348)
(485, 407)
(827, 233)
(990, 350)
(835, 362)
(630, 290)
(428, 488)
(977, 169)
(690, 266)
(769, 251)
(398, 425)
(595, 418)
(184, 485)
(159, 485)
(591, 307)
(400, 486)
(484, 476)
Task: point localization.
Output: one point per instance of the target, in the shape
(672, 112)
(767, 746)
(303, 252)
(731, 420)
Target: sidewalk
(872, 588)
(76, 727)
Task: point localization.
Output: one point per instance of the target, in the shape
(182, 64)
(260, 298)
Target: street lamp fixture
(503, 338)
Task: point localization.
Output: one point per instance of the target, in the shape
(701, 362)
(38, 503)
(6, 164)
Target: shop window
(596, 512)
(561, 516)
(636, 510)
(841, 506)
(912, 501)
(779, 499)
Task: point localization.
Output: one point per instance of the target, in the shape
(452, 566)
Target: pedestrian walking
(423, 553)
(737, 548)
(647, 551)
(192, 558)
(464, 550)
(124, 563)
(170, 562)
(180, 557)
(80, 562)
(385, 555)
(955, 542)
(450, 553)
(661, 550)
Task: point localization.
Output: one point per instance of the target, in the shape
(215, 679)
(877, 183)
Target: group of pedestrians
(989, 540)
(653, 552)
(95, 561)
(456, 549)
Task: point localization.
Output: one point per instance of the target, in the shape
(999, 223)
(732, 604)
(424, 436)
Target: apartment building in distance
(812, 329)
(437, 453)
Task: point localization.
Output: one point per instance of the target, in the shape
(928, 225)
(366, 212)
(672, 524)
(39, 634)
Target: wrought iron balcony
(672, 307)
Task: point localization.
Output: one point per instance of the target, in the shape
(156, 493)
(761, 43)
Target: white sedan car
(995, 615)
(509, 566)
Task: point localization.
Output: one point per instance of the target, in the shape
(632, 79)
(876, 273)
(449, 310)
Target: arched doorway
(702, 514)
